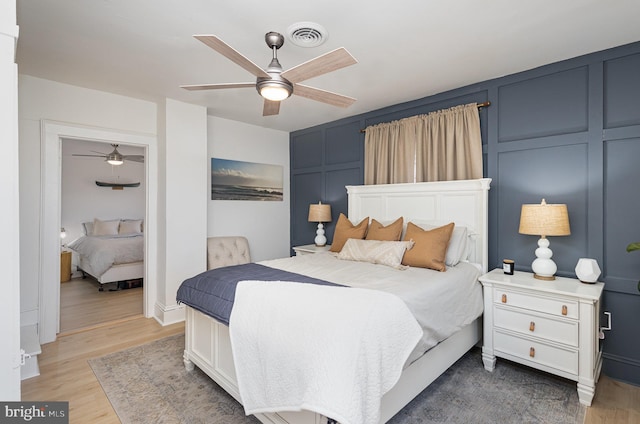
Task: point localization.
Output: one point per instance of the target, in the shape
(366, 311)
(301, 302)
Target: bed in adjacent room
(371, 329)
(111, 250)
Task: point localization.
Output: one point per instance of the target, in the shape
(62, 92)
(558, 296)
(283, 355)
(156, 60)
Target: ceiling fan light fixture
(115, 158)
(115, 161)
(274, 93)
(274, 89)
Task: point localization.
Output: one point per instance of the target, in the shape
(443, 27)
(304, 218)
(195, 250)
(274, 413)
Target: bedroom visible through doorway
(102, 211)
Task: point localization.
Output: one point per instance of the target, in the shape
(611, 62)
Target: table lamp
(320, 213)
(544, 220)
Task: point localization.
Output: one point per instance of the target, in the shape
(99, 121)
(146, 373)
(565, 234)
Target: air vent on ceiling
(307, 34)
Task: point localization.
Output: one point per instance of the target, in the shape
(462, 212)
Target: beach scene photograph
(239, 180)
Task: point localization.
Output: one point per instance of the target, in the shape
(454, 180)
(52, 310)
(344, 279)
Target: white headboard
(464, 202)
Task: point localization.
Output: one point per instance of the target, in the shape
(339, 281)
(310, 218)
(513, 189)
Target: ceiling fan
(273, 83)
(115, 157)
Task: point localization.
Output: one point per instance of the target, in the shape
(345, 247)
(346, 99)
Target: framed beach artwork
(238, 180)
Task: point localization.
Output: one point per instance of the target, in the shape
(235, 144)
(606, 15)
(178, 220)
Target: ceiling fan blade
(326, 63)
(134, 158)
(270, 108)
(218, 86)
(232, 54)
(323, 95)
(90, 156)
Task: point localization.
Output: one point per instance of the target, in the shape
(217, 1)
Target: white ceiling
(406, 49)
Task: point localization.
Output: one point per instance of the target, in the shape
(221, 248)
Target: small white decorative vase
(587, 270)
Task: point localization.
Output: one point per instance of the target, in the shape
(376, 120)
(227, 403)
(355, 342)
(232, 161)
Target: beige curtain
(439, 146)
(389, 153)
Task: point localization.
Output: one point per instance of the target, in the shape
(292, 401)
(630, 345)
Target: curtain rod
(480, 105)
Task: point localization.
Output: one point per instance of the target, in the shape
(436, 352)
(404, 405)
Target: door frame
(51, 137)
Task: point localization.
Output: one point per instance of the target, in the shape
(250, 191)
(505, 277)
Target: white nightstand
(309, 249)
(549, 325)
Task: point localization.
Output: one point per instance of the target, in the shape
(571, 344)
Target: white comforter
(322, 348)
(104, 251)
(442, 302)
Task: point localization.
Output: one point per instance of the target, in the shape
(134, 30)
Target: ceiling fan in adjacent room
(115, 157)
(273, 83)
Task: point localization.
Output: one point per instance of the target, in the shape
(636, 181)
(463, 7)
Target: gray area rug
(149, 384)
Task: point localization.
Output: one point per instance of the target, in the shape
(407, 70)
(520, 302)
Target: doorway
(91, 295)
(50, 216)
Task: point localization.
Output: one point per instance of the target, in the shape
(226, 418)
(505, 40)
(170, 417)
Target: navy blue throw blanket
(213, 292)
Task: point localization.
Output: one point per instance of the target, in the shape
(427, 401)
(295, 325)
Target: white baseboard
(168, 314)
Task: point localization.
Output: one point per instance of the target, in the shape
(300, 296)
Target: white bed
(117, 272)
(208, 343)
(112, 257)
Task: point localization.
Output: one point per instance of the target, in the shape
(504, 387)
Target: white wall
(9, 212)
(265, 224)
(183, 185)
(39, 100)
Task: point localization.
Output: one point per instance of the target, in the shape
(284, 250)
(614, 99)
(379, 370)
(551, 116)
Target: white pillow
(105, 228)
(130, 226)
(87, 228)
(458, 248)
(388, 253)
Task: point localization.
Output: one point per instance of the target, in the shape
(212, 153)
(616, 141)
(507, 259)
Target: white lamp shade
(587, 270)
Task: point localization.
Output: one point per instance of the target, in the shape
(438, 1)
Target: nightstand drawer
(554, 306)
(561, 359)
(557, 330)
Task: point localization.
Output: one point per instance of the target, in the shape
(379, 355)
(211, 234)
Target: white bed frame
(464, 202)
(117, 272)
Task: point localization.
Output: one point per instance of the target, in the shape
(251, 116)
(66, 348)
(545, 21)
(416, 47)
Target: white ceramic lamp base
(320, 239)
(543, 266)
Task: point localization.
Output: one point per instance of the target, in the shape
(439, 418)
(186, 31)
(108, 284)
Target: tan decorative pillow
(375, 251)
(105, 228)
(459, 242)
(430, 247)
(391, 232)
(346, 230)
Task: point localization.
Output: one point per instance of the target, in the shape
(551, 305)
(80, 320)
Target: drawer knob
(564, 309)
(532, 352)
(504, 298)
(532, 326)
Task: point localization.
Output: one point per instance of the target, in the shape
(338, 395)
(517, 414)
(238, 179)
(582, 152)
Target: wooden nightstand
(549, 325)
(65, 266)
(309, 249)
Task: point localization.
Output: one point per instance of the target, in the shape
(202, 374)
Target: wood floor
(65, 374)
(614, 403)
(83, 306)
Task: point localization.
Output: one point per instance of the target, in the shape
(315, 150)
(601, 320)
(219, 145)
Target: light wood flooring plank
(615, 403)
(83, 306)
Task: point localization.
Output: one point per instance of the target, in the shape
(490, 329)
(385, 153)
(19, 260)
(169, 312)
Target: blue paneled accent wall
(568, 132)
